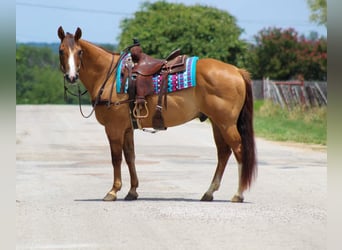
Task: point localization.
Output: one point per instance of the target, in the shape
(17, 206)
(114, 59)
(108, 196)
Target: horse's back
(218, 74)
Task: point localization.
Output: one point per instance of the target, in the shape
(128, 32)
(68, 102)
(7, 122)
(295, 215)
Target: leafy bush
(283, 54)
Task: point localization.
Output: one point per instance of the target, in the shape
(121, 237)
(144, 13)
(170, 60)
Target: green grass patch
(299, 124)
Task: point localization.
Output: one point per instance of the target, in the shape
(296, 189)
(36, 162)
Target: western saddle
(139, 68)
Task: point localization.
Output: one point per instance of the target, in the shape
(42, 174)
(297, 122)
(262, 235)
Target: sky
(38, 20)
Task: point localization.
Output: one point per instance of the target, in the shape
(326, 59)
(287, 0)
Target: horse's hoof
(131, 196)
(109, 197)
(237, 198)
(207, 197)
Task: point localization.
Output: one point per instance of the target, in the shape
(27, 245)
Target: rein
(66, 90)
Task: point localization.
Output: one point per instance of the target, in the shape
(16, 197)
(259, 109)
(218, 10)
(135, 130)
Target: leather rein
(98, 101)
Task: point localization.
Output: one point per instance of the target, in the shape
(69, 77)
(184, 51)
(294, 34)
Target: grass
(297, 125)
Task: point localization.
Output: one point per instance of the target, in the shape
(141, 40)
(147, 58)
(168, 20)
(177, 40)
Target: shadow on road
(161, 199)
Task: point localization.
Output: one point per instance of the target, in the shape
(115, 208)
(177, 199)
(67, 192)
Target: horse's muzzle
(71, 79)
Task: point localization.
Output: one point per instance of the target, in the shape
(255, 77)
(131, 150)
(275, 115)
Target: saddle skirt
(176, 81)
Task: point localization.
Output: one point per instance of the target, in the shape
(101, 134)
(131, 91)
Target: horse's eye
(80, 52)
(61, 52)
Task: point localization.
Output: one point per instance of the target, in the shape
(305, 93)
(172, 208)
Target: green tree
(38, 79)
(283, 54)
(197, 30)
(318, 11)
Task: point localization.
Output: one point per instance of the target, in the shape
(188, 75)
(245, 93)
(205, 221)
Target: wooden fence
(291, 93)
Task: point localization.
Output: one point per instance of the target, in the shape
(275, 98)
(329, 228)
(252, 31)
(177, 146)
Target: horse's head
(70, 54)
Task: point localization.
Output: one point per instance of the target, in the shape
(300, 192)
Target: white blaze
(72, 66)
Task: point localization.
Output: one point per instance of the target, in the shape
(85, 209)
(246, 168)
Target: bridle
(98, 101)
(67, 91)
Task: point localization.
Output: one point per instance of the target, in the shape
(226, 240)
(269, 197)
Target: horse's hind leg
(223, 153)
(233, 138)
(129, 154)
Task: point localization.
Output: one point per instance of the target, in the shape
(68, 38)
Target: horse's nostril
(71, 79)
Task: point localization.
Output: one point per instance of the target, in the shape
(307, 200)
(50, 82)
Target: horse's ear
(78, 34)
(61, 33)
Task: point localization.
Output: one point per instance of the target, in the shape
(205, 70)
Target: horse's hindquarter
(220, 89)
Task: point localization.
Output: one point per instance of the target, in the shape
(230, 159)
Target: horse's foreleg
(129, 154)
(116, 153)
(223, 153)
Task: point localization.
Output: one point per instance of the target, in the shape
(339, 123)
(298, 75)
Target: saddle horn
(136, 42)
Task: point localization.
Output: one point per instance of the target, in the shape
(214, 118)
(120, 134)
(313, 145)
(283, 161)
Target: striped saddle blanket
(177, 81)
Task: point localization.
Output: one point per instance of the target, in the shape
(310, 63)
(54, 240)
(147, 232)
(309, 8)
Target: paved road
(63, 171)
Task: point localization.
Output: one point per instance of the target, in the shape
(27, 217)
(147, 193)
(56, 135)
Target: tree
(283, 54)
(38, 79)
(197, 30)
(318, 11)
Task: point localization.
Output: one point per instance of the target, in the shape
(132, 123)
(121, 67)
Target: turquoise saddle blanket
(177, 81)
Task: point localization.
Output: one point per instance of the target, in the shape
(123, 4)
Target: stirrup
(136, 111)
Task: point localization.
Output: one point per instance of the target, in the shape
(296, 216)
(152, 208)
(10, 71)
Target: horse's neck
(95, 67)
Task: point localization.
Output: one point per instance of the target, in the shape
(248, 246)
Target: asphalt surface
(63, 170)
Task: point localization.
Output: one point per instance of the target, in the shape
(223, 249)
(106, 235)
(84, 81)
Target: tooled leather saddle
(139, 70)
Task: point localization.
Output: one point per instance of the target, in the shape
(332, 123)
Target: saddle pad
(177, 81)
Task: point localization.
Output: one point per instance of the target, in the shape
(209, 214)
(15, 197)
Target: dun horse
(223, 93)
